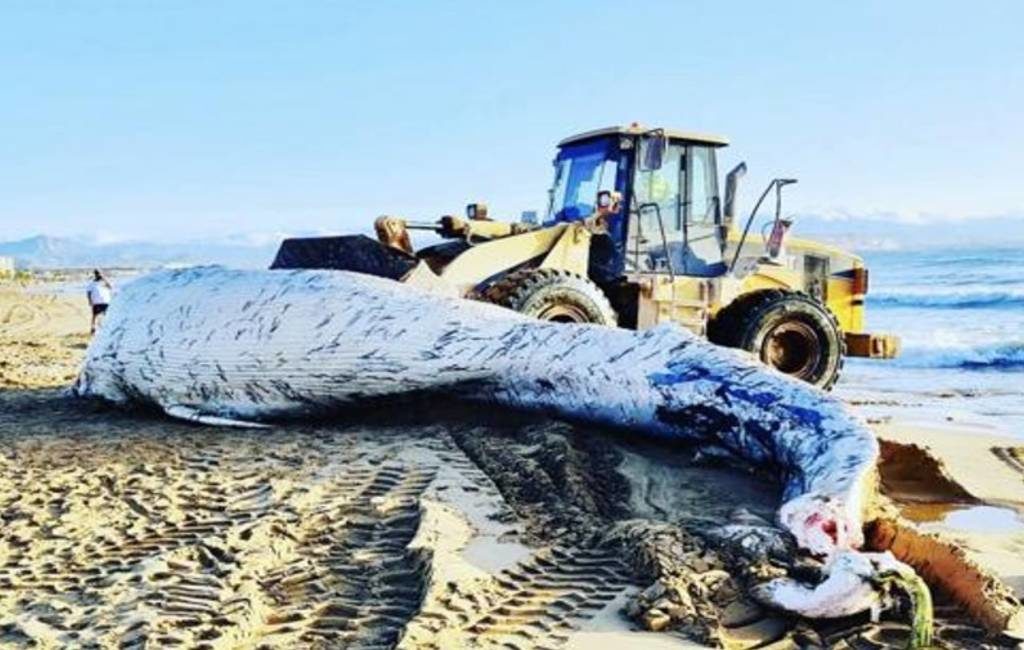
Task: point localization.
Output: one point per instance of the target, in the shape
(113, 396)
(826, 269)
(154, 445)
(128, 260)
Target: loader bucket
(356, 253)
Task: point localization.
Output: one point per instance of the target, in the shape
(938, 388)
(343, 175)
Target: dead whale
(223, 346)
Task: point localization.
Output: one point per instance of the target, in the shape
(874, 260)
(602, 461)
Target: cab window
(581, 171)
(684, 193)
(660, 188)
(702, 202)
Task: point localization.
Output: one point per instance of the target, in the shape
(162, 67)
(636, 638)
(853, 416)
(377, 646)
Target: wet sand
(987, 516)
(419, 526)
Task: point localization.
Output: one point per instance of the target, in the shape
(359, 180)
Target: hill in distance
(46, 252)
(860, 234)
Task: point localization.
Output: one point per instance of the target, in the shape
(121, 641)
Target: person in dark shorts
(100, 291)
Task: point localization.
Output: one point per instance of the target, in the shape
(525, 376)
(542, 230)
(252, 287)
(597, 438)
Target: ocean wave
(1004, 357)
(995, 259)
(968, 280)
(948, 299)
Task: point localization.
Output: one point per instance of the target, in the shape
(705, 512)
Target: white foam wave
(973, 297)
(1006, 357)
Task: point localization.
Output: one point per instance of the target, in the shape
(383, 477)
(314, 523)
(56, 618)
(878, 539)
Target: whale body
(224, 346)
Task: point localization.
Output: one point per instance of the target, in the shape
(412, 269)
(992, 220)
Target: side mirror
(732, 181)
(652, 150)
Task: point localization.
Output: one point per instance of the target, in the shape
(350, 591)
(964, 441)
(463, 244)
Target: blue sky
(201, 119)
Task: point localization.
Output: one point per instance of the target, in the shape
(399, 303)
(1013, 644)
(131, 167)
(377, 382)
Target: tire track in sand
(169, 538)
(1013, 457)
(33, 315)
(41, 338)
(354, 583)
(22, 317)
(535, 604)
(350, 581)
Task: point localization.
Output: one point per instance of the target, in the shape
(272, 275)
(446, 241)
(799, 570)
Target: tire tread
(737, 324)
(513, 290)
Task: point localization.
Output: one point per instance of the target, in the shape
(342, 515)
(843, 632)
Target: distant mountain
(38, 251)
(44, 252)
(891, 233)
(257, 250)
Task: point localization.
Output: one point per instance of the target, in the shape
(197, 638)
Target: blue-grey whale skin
(225, 346)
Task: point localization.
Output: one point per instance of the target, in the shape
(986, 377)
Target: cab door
(673, 241)
(701, 251)
(655, 224)
(675, 214)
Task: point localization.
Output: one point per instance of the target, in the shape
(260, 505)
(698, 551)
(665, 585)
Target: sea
(960, 315)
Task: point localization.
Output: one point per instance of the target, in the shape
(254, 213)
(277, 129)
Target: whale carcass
(243, 347)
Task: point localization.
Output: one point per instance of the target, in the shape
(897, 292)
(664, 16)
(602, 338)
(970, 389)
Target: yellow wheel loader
(636, 234)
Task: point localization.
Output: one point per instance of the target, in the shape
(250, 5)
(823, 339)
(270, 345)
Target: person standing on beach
(99, 292)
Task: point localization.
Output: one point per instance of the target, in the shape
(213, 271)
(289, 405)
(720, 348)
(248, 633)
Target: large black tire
(553, 294)
(788, 331)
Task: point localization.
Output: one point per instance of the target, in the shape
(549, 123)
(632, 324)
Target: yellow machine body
(689, 301)
(480, 251)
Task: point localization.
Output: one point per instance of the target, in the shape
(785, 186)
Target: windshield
(581, 171)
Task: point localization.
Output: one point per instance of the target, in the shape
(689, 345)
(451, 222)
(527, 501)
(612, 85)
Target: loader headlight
(604, 199)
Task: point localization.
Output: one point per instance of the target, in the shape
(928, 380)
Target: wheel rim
(793, 348)
(563, 314)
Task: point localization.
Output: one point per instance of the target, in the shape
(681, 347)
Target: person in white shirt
(99, 292)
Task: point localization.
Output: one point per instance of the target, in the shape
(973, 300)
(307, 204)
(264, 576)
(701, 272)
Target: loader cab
(670, 220)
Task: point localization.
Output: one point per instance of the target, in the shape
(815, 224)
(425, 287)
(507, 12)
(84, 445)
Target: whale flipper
(191, 414)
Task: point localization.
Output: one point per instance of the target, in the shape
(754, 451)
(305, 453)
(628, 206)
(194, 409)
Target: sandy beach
(42, 337)
(425, 527)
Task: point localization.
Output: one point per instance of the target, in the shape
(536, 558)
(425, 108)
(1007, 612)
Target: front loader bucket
(356, 253)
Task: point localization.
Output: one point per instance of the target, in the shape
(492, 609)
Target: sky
(183, 120)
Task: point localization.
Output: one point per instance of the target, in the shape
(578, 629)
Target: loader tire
(554, 295)
(791, 332)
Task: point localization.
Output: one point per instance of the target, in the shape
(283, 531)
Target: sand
(982, 507)
(42, 337)
(419, 526)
